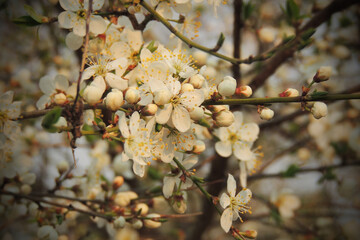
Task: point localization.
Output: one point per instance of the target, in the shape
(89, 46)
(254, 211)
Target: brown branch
(238, 24)
(281, 56)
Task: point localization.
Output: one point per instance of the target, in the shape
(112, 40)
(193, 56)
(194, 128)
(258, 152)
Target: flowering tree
(117, 116)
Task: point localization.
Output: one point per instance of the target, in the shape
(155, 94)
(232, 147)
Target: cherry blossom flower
(174, 179)
(233, 137)
(232, 204)
(74, 17)
(8, 110)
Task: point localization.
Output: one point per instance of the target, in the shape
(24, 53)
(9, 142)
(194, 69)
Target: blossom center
(233, 137)
(81, 13)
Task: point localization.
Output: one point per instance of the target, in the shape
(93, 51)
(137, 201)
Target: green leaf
(248, 9)
(308, 33)
(152, 46)
(51, 118)
(103, 178)
(25, 21)
(328, 175)
(59, 219)
(158, 127)
(291, 171)
(275, 215)
(319, 94)
(292, 9)
(38, 18)
(90, 138)
(154, 173)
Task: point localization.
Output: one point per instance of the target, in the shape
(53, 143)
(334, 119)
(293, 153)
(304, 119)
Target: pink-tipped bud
(323, 74)
(118, 182)
(244, 91)
(290, 92)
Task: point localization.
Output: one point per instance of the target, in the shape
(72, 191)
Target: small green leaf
(248, 9)
(154, 173)
(328, 175)
(291, 171)
(275, 215)
(319, 94)
(51, 118)
(292, 9)
(38, 18)
(59, 219)
(158, 127)
(308, 33)
(103, 178)
(25, 21)
(152, 46)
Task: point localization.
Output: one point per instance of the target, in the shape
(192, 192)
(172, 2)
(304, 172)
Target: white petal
(99, 83)
(70, 5)
(139, 169)
(134, 122)
(145, 55)
(73, 41)
(163, 115)
(121, 50)
(67, 19)
(115, 81)
(13, 111)
(41, 103)
(97, 24)
(12, 130)
(168, 187)
(224, 200)
(79, 27)
(47, 85)
(164, 10)
(181, 119)
(226, 219)
(249, 132)
(242, 151)
(192, 99)
(190, 161)
(124, 129)
(118, 63)
(135, 39)
(238, 120)
(97, 4)
(61, 82)
(244, 196)
(223, 148)
(89, 72)
(243, 174)
(231, 185)
(6, 98)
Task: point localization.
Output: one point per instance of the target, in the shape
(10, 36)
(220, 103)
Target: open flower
(74, 16)
(232, 204)
(8, 110)
(233, 137)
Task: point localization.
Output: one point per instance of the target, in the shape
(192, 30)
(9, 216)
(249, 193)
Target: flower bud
(25, 189)
(319, 110)
(28, 178)
(218, 108)
(151, 223)
(197, 80)
(223, 118)
(197, 113)
(60, 98)
(124, 198)
(62, 166)
(341, 52)
(252, 234)
(267, 34)
(118, 182)
(114, 100)
(144, 208)
(92, 94)
(323, 74)
(244, 91)
(200, 57)
(149, 110)
(290, 92)
(137, 224)
(179, 206)
(227, 87)
(132, 95)
(162, 96)
(47, 232)
(303, 154)
(119, 222)
(187, 87)
(266, 114)
(199, 147)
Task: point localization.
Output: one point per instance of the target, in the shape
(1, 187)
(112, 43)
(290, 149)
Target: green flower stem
(197, 183)
(190, 43)
(261, 101)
